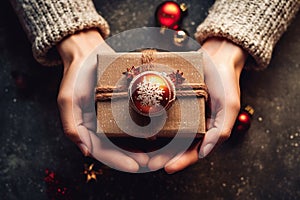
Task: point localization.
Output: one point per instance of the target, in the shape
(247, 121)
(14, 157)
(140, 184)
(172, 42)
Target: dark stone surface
(264, 165)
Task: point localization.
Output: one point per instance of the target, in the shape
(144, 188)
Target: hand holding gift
(223, 64)
(76, 99)
(237, 21)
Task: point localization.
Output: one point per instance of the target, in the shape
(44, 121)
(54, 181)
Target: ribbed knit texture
(255, 25)
(47, 22)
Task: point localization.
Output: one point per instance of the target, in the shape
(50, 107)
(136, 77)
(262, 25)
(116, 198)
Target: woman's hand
(76, 100)
(229, 60)
(223, 63)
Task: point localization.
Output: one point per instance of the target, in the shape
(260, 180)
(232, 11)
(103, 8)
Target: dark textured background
(264, 165)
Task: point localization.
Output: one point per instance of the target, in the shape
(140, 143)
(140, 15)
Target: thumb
(210, 140)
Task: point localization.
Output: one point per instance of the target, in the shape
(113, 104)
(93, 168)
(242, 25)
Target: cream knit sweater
(255, 25)
(47, 22)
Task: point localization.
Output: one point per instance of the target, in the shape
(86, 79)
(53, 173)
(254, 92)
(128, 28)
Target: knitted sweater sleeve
(255, 25)
(47, 22)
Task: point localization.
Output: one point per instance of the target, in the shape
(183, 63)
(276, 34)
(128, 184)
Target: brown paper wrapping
(186, 117)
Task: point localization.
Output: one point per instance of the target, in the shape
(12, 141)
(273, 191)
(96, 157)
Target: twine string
(107, 93)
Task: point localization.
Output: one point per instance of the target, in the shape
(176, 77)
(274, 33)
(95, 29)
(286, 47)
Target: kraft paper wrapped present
(151, 94)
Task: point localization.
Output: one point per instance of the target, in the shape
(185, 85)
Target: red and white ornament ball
(151, 93)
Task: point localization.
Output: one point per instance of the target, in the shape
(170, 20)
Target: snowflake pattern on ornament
(149, 93)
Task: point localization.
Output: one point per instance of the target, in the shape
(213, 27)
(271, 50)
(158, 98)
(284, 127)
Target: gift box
(150, 94)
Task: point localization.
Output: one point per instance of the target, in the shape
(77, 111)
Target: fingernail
(84, 149)
(170, 172)
(206, 150)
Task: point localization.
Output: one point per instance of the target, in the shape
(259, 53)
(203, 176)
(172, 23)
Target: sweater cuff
(47, 22)
(254, 25)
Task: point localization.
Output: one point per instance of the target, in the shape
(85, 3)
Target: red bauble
(169, 14)
(243, 121)
(151, 93)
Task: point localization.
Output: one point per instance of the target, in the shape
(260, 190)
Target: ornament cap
(183, 7)
(249, 109)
